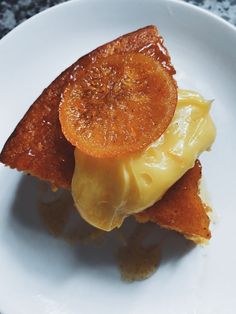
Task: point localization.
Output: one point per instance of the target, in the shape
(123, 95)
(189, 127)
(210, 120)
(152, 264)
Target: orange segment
(117, 105)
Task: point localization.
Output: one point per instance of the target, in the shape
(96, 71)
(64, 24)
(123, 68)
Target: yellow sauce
(106, 191)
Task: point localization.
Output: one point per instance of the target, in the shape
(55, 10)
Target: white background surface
(41, 274)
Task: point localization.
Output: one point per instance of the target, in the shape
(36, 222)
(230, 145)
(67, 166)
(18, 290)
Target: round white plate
(42, 274)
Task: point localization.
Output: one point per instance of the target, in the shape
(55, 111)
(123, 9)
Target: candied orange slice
(117, 105)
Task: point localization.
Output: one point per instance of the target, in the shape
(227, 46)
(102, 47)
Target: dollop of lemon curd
(106, 191)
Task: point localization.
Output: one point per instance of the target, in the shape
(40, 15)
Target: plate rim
(60, 6)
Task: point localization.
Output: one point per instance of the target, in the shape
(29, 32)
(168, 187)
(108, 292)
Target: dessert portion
(115, 130)
(107, 190)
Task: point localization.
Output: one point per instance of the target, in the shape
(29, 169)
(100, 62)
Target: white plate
(42, 274)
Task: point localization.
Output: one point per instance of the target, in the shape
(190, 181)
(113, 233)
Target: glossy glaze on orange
(118, 105)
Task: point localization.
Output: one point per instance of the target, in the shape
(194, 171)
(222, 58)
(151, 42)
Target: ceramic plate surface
(42, 274)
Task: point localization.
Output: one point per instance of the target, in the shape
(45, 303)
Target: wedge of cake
(115, 129)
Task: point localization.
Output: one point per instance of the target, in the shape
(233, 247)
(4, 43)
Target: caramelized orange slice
(117, 105)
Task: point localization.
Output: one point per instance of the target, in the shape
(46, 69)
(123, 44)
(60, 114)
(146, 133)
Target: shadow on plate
(48, 236)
